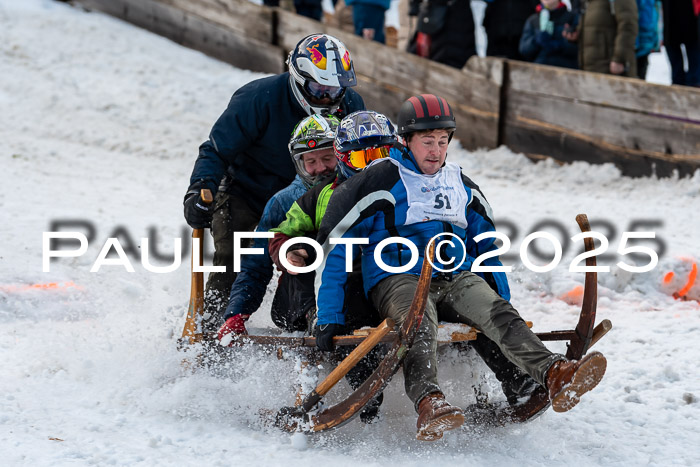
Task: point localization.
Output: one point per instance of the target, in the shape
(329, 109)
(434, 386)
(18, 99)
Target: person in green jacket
(606, 37)
(362, 137)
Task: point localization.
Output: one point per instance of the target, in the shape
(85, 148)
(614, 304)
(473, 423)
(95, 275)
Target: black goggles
(320, 91)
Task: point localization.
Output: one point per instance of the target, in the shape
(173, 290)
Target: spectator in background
(648, 37)
(342, 17)
(445, 31)
(504, 21)
(606, 37)
(681, 29)
(696, 8)
(309, 8)
(368, 17)
(543, 40)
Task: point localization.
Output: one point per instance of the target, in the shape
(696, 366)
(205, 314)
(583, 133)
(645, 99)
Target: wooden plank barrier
(570, 115)
(542, 111)
(387, 77)
(236, 32)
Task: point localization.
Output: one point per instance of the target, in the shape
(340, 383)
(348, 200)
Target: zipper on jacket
(446, 276)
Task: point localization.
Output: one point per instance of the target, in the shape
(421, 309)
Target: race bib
(439, 197)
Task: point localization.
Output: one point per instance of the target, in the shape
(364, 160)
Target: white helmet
(320, 68)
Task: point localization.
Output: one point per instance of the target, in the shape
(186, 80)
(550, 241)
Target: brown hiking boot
(568, 380)
(435, 416)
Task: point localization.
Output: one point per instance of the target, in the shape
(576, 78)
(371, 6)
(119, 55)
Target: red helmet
(425, 112)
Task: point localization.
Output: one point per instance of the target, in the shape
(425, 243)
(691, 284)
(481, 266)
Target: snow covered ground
(101, 122)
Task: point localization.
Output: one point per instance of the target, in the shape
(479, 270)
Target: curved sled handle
(347, 364)
(584, 329)
(343, 412)
(196, 306)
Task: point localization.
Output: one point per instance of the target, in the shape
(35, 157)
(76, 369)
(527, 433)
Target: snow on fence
(543, 111)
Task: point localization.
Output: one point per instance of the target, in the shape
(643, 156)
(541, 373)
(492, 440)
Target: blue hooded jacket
(377, 204)
(250, 286)
(648, 36)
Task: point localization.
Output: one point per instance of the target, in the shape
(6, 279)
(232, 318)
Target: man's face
(429, 149)
(321, 162)
(549, 4)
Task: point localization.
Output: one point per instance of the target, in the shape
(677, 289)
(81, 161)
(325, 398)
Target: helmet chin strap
(305, 104)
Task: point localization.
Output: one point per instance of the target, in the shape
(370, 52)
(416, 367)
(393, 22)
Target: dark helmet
(311, 134)
(320, 67)
(425, 112)
(362, 137)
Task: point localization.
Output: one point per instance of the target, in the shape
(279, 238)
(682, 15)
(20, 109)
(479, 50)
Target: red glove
(233, 325)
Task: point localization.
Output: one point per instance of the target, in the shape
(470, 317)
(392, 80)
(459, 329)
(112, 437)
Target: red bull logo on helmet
(317, 54)
(346, 61)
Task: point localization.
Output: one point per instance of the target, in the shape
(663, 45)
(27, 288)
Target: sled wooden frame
(581, 339)
(301, 417)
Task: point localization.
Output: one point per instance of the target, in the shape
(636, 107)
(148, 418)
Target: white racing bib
(439, 197)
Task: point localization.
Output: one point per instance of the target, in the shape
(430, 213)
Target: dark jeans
(309, 11)
(369, 17)
(678, 73)
(231, 214)
(295, 303)
(506, 47)
(642, 66)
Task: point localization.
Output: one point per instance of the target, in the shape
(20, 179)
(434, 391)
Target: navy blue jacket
(385, 4)
(249, 141)
(550, 49)
(374, 204)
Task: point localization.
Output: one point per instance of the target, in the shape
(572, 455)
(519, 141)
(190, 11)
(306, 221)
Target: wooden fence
(542, 111)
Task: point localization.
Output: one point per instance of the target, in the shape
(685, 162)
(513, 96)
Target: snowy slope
(101, 122)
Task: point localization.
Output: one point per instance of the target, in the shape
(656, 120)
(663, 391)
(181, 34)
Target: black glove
(325, 334)
(197, 212)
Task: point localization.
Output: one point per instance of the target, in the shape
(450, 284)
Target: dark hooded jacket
(608, 33)
(249, 141)
(550, 47)
(504, 21)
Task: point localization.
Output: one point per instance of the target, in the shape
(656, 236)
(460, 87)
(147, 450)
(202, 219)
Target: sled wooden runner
(581, 339)
(191, 334)
(299, 418)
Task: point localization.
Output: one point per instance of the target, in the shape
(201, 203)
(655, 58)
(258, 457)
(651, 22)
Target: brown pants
(466, 299)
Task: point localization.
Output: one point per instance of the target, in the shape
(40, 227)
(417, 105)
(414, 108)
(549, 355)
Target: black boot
(517, 385)
(359, 374)
(371, 411)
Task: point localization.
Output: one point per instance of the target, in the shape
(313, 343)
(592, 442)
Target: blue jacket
(549, 47)
(380, 3)
(256, 270)
(648, 36)
(374, 204)
(249, 141)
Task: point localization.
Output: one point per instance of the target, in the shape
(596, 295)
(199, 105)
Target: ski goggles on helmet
(320, 91)
(361, 158)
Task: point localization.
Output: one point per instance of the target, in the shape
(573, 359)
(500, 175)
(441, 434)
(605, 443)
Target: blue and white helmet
(362, 137)
(320, 67)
